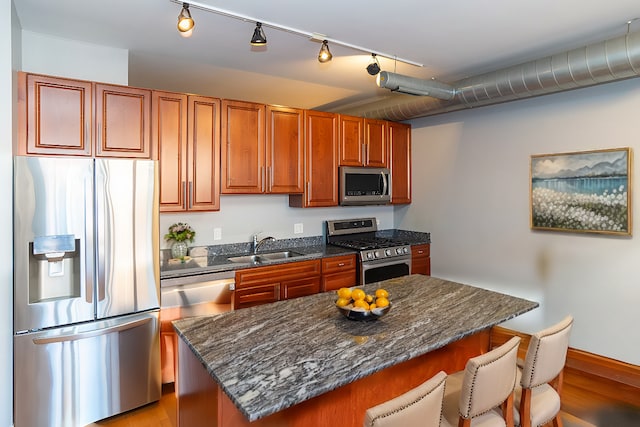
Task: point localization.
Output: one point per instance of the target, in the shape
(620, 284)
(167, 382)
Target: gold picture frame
(582, 191)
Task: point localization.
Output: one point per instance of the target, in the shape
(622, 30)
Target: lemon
(382, 293)
(369, 298)
(372, 306)
(344, 293)
(341, 302)
(360, 303)
(358, 294)
(382, 302)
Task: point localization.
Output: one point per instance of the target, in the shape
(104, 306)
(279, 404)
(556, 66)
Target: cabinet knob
(341, 264)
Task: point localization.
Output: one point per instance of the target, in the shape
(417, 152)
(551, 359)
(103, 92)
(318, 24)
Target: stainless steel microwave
(364, 186)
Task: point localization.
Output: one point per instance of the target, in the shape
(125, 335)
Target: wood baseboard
(591, 382)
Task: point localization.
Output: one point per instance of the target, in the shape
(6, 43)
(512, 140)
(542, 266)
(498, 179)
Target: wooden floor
(163, 414)
(159, 414)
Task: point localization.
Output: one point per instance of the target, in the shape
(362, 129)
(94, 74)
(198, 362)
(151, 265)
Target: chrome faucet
(257, 243)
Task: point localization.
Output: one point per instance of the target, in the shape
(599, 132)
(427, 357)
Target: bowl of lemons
(356, 304)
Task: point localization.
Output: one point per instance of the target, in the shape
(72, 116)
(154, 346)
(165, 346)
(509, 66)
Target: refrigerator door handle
(82, 335)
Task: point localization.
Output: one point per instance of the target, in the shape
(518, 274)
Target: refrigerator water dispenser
(54, 268)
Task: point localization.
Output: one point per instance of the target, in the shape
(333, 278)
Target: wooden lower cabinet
(262, 285)
(421, 259)
(169, 338)
(338, 272)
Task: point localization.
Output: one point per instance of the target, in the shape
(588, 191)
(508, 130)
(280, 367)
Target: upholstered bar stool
(419, 407)
(482, 394)
(537, 399)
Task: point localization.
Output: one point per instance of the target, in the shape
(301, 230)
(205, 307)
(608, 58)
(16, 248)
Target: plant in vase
(179, 234)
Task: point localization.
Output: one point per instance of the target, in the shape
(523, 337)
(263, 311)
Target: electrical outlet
(298, 228)
(217, 233)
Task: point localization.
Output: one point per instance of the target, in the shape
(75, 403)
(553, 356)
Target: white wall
(241, 216)
(471, 191)
(45, 54)
(8, 37)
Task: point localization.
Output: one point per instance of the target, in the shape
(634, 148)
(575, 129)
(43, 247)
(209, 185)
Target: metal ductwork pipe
(603, 62)
(412, 86)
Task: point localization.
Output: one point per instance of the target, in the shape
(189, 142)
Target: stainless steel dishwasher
(193, 290)
(180, 297)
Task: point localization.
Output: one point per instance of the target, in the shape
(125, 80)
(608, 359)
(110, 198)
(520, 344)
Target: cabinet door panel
(376, 143)
(255, 295)
(322, 159)
(123, 122)
(400, 162)
(58, 115)
(242, 147)
(300, 287)
(169, 130)
(284, 150)
(351, 141)
(203, 154)
(332, 282)
(421, 259)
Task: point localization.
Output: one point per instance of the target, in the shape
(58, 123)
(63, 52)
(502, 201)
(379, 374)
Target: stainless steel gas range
(379, 258)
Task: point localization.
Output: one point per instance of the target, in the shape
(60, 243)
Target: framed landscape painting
(586, 192)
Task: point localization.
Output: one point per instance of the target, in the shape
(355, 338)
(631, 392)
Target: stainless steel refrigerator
(86, 289)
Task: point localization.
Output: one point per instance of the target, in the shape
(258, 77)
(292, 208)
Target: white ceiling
(452, 38)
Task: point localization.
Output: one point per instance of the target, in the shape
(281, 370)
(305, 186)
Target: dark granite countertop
(270, 357)
(214, 259)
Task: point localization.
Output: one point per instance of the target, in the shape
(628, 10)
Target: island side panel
(344, 407)
(197, 393)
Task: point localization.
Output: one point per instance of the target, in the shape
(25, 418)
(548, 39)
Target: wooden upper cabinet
(400, 162)
(123, 121)
(187, 129)
(203, 136)
(55, 116)
(375, 141)
(242, 147)
(363, 142)
(169, 130)
(284, 153)
(351, 141)
(321, 165)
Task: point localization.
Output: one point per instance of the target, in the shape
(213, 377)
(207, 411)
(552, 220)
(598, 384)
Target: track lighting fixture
(185, 22)
(374, 67)
(185, 26)
(324, 55)
(258, 39)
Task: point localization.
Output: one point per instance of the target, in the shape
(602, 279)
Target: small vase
(179, 249)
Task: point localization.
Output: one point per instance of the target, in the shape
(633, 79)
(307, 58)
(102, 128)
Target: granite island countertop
(270, 357)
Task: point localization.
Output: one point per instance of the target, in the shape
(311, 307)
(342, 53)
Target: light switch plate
(217, 233)
(298, 228)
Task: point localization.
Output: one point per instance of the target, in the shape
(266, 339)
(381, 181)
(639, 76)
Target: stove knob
(405, 250)
(376, 254)
(399, 251)
(369, 255)
(387, 252)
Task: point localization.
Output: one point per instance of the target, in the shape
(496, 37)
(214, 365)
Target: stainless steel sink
(261, 258)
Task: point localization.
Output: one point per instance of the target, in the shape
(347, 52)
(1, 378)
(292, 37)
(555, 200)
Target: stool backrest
(418, 407)
(547, 354)
(489, 379)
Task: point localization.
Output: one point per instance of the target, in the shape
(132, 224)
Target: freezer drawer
(74, 376)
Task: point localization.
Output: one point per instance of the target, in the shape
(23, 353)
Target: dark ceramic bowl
(359, 314)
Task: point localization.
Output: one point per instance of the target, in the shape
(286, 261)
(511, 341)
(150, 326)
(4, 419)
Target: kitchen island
(300, 362)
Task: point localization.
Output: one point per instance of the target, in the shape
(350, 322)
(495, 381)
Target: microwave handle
(385, 184)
